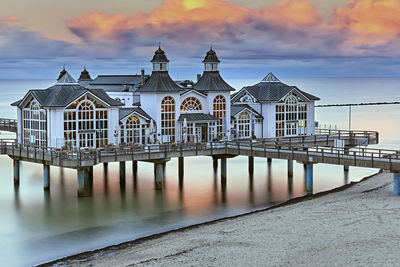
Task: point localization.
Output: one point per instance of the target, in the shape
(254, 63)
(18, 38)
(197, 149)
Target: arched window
(133, 130)
(219, 108)
(191, 104)
(86, 123)
(34, 125)
(244, 125)
(168, 119)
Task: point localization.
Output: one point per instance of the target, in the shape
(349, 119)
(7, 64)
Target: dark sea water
(36, 227)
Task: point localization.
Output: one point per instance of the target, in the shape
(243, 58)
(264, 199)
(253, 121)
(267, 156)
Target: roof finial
(211, 46)
(63, 66)
(84, 67)
(159, 45)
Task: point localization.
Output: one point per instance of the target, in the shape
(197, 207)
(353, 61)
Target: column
(269, 160)
(134, 168)
(105, 165)
(309, 179)
(251, 164)
(223, 170)
(346, 167)
(290, 168)
(122, 174)
(181, 169)
(215, 164)
(16, 171)
(159, 175)
(396, 184)
(134, 173)
(46, 177)
(84, 182)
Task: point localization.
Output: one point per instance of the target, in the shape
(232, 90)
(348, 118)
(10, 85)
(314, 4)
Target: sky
(292, 38)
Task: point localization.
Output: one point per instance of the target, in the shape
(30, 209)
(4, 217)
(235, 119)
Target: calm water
(36, 227)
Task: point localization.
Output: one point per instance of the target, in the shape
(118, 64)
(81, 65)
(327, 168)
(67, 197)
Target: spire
(62, 73)
(85, 75)
(270, 78)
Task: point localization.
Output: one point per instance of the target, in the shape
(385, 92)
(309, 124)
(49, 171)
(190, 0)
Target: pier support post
(159, 175)
(181, 167)
(84, 183)
(134, 168)
(16, 171)
(105, 165)
(215, 164)
(290, 168)
(223, 170)
(396, 182)
(251, 164)
(269, 160)
(309, 178)
(346, 167)
(46, 177)
(122, 174)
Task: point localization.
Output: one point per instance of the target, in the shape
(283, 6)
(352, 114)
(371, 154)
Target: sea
(37, 226)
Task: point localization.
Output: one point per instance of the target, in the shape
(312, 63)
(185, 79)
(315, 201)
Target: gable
(244, 96)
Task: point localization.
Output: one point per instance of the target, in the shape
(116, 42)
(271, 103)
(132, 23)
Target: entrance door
(204, 133)
(86, 140)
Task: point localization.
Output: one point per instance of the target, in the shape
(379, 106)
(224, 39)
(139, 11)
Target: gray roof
(117, 80)
(270, 78)
(160, 81)
(211, 57)
(237, 108)
(271, 91)
(124, 112)
(60, 95)
(197, 117)
(212, 81)
(66, 79)
(159, 56)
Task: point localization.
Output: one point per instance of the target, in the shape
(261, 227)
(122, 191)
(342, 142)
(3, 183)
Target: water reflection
(123, 213)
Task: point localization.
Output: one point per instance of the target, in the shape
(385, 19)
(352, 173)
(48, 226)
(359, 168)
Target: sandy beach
(357, 226)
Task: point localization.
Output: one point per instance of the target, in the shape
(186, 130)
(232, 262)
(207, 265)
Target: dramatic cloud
(353, 37)
(16, 43)
(369, 23)
(286, 28)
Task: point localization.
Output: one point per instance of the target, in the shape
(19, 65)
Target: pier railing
(356, 156)
(8, 125)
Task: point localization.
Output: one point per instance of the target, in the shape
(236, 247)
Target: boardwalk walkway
(309, 150)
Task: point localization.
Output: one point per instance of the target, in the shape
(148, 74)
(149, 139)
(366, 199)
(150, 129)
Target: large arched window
(86, 123)
(219, 108)
(244, 125)
(191, 104)
(133, 130)
(291, 117)
(34, 124)
(168, 119)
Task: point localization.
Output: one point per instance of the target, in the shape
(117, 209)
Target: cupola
(85, 76)
(211, 61)
(160, 60)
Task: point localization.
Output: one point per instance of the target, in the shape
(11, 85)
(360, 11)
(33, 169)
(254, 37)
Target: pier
(307, 150)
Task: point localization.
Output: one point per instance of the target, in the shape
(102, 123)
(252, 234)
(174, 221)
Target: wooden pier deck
(280, 148)
(308, 150)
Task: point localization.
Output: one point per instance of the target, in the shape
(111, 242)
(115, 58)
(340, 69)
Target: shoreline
(87, 255)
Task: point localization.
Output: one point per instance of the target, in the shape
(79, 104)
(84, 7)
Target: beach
(358, 224)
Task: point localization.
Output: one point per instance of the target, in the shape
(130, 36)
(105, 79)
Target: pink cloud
(360, 28)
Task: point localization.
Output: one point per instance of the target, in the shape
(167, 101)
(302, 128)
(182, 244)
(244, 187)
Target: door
(204, 132)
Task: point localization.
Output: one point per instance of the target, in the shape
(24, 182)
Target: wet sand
(357, 225)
